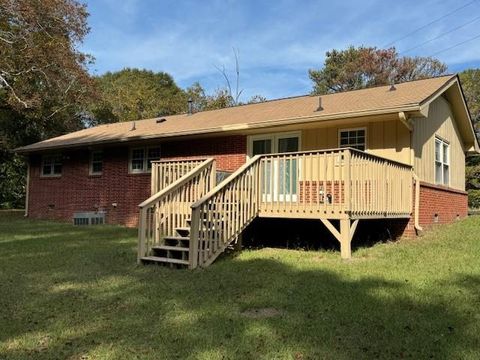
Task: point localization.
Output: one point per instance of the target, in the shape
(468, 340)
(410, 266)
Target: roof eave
(410, 108)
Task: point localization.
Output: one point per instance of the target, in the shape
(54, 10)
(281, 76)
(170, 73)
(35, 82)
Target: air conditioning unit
(89, 218)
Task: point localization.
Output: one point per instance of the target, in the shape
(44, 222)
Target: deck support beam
(344, 236)
(239, 242)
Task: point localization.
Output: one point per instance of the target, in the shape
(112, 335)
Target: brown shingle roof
(286, 111)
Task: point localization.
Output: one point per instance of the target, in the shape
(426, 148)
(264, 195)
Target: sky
(277, 40)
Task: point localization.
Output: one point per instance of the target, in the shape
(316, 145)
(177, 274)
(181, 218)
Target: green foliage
(12, 184)
(472, 181)
(77, 293)
(133, 94)
(470, 80)
(255, 99)
(220, 99)
(44, 83)
(474, 199)
(361, 67)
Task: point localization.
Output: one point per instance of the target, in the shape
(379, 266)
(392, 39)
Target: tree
(220, 99)
(470, 80)
(255, 99)
(362, 67)
(40, 64)
(44, 83)
(132, 94)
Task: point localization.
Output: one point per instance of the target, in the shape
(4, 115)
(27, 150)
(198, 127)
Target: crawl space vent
(89, 218)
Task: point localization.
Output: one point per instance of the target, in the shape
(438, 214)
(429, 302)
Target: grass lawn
(76, 293)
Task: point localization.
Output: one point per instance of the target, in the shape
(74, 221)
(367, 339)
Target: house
(391, 152)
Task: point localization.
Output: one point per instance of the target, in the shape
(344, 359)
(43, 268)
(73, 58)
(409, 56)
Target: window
(261, 146)
(141, 159)
(442, 162)
(96, 162)
(273, 143)
(354, 138)
(153, 154)
(137, 160)
(52, 165)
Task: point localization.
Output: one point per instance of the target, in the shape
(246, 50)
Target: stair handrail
(195, 219)
(166, 192)
(166, 171)
(225, 182)
(176, 184)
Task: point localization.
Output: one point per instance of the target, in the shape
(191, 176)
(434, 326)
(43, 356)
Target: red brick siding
(76, 190)
(230, 152)
(449, 204)
(310, 192)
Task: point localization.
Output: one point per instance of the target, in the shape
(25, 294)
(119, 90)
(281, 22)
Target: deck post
(142, 229)
(345, 239)
(344, 236)
(213, 175)
(194, 238)
(348, 184)
(239, 242)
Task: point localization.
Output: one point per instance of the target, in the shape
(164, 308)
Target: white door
(279, 176)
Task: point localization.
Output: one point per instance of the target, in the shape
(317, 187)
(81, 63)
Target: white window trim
(352, 129)
(90, 164)
(274, 137)
(52, 175)
(145, 159)
(442, 141)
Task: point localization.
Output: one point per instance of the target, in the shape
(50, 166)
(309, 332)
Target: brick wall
(76, 190)
(230, 152)
(438, 205)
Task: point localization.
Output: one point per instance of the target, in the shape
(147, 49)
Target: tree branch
(3, 80)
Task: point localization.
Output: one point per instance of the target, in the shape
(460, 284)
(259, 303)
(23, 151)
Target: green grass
(76, 293)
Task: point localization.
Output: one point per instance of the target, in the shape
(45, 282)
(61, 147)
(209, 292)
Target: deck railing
(329, 184)
(165, 172)
(169, 208)
(334, 183)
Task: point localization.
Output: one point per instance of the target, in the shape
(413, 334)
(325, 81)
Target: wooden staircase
(191, 222)
(174, 251)
(164, 226)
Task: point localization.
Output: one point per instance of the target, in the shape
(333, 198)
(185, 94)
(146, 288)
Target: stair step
(165, 260)
(183, 231)
(168, 247)
(181, 241)
(179, 238)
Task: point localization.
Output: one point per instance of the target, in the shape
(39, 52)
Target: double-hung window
(141, 159)
(442, 162)
(52, 165)
(354, 138)
(96, 162)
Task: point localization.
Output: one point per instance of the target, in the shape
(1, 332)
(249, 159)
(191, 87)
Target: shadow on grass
(94, 300)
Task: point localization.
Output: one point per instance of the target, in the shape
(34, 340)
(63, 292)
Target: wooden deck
(337, 184)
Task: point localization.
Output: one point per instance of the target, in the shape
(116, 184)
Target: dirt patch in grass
(261, 313)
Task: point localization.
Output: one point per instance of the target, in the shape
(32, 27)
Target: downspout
(409, 124)
(27, 189)
(417, 226)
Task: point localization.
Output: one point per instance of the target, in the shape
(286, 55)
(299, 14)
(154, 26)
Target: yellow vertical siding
(439, 122)
(390, 139)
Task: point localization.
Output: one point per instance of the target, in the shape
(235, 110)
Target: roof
(379, 100)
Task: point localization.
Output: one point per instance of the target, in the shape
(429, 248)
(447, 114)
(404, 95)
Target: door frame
(274, 137)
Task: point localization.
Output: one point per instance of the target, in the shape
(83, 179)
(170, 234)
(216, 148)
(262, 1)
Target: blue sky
(278, 41)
